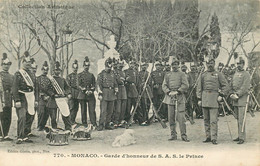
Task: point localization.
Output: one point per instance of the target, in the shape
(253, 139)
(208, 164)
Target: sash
(56, 86)
(61, 101)
(30, 98)
(63, 106)
(26, 78)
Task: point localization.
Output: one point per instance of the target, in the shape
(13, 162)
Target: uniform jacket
(131, 82)
(73, 82)
(143, 75)
(65, 88)
(44, 89)
(7, 81)
(157, 80)
(175, 81)
(241, 87)
(87, 81)
(209, 85)
(121, 95)
(19, 84)
(107, 83)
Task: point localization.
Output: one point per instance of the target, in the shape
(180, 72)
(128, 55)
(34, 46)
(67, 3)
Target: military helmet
(5, 60)
(75, 64)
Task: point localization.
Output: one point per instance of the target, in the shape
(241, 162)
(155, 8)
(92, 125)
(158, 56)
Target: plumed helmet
(75, 64)
(86, 61)
(109, 62)
(57, 66)
(34, 65)
(241, 60)
(26, 57)
(45, 66)
(175, 61)
(5, 60)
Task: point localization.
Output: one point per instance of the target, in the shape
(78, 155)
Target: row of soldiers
(119, 93)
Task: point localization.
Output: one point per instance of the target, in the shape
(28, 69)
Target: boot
(207, 140)
(237, 139)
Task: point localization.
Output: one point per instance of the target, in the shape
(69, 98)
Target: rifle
(138, 100)
(155, 111)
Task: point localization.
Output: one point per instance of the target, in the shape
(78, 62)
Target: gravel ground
(151, 140)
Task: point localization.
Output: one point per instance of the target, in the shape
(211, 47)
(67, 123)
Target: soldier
(220, 66)
(192, 101)
(131, 88)
(29, 117)
(45, 92)
(120, 106)
(239, 95)
(175, 84)
(23, 88)
(211, 86)
(107, 90)
(73, 82)
(87, 84)
(60, 83)
(6, 97)
(157, 80)
(145, 102)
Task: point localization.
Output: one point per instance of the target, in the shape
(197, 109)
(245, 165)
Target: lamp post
(67, 33)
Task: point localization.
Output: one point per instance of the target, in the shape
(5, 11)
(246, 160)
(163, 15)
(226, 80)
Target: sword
(229, 108)
(244, 120)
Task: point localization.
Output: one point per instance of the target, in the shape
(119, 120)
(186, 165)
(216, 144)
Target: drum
(59, 138)
(82, 133)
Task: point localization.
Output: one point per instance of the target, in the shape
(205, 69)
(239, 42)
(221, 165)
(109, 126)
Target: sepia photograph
(130, 82)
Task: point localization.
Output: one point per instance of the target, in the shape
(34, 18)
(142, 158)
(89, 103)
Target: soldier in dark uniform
(23, 83)
(192, 101)
(73, 82)
(45, 92)
(87, 85)
(30, 118)
(145, 102)
(6, 97)
(157, 80)
(120, 107)
(62, 83)
(175, 84)
(131, 88)
(107, 90)
(239, 95)
(212, 85)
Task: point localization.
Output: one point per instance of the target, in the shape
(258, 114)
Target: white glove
(173, 93)
(199, 103)
(234, 96)
(220, 99)
(69, 96)
(18, 104)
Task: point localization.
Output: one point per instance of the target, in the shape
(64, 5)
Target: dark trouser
(74, 107)
(120, 110)
(52, 113)
(131, 102)
(67, 122)
(6, 118)
(91, 111)
(211, 122)
(21, 114)
(180, 117)
(240, 111)
(42, 116)
(145, 107)
(106, 112)
(28, 124)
